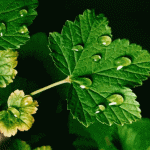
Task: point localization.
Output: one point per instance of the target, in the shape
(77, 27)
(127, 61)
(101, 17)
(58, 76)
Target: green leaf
(17, 144)
(43, 148)
(7, 63)
(135, 136)
(15, 16)
(18, 115)
(110, 66)
(85, 28)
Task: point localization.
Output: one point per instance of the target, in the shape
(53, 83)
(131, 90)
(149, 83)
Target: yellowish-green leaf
(18, 115)
(7, 64)
(43, 148)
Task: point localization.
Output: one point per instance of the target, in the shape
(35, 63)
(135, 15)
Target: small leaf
(7, 63)
(43, 148)
(18, 116)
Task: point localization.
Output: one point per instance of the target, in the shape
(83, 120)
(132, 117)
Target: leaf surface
(113, 68)
(7, 64)
(15, 16)
(18, 115)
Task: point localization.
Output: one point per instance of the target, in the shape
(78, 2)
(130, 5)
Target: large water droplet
(96, 58)
(115, 99)
(122, 61)
(2, 29)
(100, 108)
(23, 29)
(105, 40)
(84, 83)
(23, 12)
(77, 48)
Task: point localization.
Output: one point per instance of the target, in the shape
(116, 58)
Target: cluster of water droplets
(23, 29)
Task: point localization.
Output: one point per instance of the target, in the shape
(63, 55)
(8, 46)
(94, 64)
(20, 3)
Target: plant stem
(67, 80)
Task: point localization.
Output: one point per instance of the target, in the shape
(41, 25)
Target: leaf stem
(67, 80)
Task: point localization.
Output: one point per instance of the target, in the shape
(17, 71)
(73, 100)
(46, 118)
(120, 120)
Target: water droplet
(23, 29)
(105, 40)
(15, 115)
(115, 99)
(77, 48)
(2, 29)
(26, 103)
(82, 81)
(23, 12)
(122, 61)
(96, 58)
(100, 108)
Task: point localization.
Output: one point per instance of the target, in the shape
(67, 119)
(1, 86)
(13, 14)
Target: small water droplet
(96, 58)
(105, 40)
(115, 99)
(2, 29)
(26, 103)
(82, 81)
(23, 29)
(23, 12)
(77, 48)
(100, 108)
(15, 115)
(122, 61)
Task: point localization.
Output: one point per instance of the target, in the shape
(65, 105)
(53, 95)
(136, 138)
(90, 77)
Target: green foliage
(14, 21)
(111, 67)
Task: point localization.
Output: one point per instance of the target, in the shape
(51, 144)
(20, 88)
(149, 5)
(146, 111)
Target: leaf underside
(107, 78)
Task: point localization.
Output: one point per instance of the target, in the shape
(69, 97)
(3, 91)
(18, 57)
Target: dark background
(127, 19)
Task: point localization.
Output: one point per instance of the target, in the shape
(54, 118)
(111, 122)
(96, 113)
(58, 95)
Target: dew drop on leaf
(23, 29)
(15, 112)
(105, 40)
(100, 108)
(115, 99)
(83, 82)
(2, 29)
(77, 48)
(122, 61)
(96, 58)
(23, 12)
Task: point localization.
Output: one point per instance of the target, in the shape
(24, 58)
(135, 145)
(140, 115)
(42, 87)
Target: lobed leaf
(100, 70)
(18, 116)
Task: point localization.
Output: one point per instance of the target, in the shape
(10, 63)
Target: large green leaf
(18, 115)
(100, 71)
(135, 136)
(7, 63)
(15, 16)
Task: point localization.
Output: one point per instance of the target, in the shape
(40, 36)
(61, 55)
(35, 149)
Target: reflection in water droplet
(82, 86)
(122, 61)
(23, 12)
(115, 99)
(100, 108)
(2, 29)
(96, 58)
(23, 29)
(119, 67)
(105, 40)
(77, 48)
